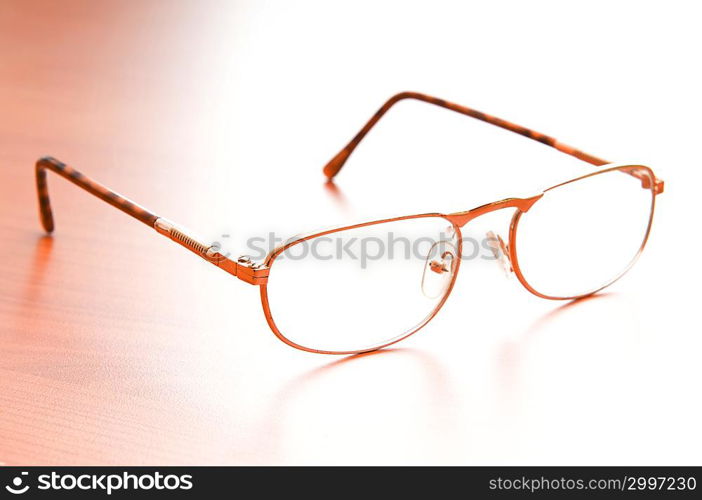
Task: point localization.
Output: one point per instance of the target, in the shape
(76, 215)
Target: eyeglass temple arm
(335, 164)
(243, 268)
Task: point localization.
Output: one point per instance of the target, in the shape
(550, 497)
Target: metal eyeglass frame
(256, 273)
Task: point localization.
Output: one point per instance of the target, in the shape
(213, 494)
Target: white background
(499, 377)
(261, 94)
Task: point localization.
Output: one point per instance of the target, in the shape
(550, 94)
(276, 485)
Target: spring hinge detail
(243, 268)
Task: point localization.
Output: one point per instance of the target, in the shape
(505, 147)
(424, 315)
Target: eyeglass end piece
(243, 268)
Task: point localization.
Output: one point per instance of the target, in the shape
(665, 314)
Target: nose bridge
(523, 204)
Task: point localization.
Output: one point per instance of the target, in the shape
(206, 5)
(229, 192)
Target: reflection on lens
(362, 288)
(583, 235)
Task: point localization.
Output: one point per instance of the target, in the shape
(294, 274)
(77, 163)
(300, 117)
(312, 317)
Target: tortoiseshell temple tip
(45, 214)
(93, 187)
(332, 168)
(48, 223)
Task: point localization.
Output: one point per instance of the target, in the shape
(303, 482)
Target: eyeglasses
(363, 287)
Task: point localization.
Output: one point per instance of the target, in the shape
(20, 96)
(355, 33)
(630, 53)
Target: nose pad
(439, 267)
(500, 251)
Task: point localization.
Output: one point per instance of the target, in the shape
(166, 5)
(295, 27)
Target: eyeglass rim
(297, 240)
(648, 180)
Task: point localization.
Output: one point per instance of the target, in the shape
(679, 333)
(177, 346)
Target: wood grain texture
(100, 359)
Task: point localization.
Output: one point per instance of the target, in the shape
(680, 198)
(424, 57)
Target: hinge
(243, 268)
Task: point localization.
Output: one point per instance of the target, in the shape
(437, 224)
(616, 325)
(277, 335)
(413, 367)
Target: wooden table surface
(118, 347)
(101, 361)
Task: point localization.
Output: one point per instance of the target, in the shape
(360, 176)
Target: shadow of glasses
(436, 398)
(40, 260)
(337, 195)
(511, 352)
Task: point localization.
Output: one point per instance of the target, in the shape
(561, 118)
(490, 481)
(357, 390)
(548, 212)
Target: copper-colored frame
(256, 273)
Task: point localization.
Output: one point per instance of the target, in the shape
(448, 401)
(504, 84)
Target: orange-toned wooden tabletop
(100, 360)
